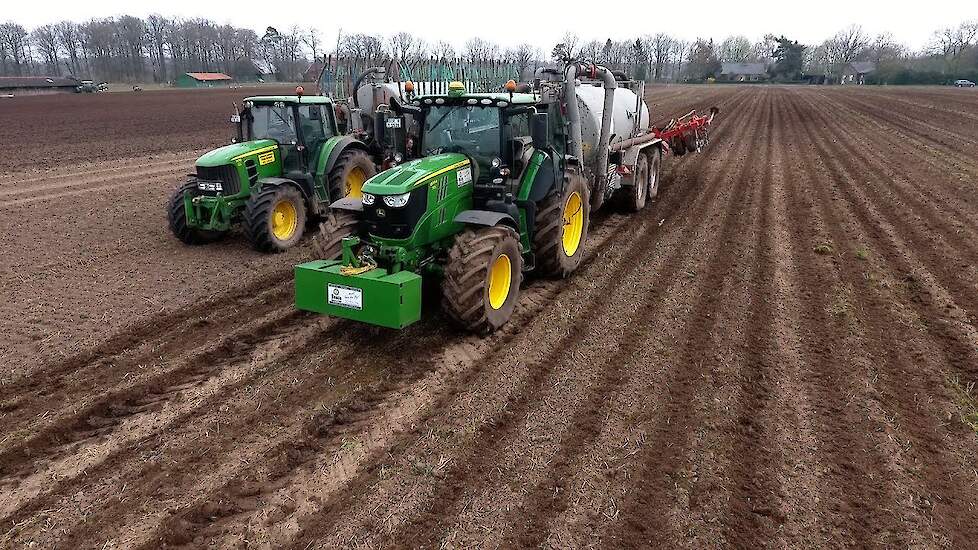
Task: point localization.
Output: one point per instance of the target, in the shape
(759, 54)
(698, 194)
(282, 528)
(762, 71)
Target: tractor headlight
(496, 162)
(367, 199)
(396, 201)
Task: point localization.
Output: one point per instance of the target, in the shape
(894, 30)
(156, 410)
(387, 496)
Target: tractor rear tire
(177, 216)
(351, 169)
(561, 228)
(482, 278)
(328, 244)
(275, 218)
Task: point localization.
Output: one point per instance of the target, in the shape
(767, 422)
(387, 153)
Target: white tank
(591, 101)
(384, 92)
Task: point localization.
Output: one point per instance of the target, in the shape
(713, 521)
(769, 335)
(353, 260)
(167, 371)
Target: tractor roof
(313, 99)
(514, 99)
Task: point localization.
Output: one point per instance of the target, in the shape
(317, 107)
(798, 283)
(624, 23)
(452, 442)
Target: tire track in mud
(496, 429)
(905, 126)
(549, 497)
(900, 392)
(921, 259)
(646, 509)
(51, 187)
(953, 222)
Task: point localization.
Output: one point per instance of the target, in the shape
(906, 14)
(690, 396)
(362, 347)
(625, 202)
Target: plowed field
(776, 353)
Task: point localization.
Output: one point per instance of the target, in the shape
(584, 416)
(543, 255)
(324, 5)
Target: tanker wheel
(177, 217)
(352, 168)
(482, 278)
(640, 184)
(561, 229)
(328, 244)
(655, 172)
(275, 218)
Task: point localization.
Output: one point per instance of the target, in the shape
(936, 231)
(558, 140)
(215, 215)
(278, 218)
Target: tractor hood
(230, 154)
(413, 174)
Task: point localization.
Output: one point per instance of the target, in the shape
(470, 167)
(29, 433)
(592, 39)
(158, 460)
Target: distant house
(857, 71)
(37, 85)
(742, 72)
(264, 70)
(203, 80)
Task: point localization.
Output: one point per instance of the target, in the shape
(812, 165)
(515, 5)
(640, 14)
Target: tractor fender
(311, 205)
(348, 204)
(336, 147)
(486, 218)
(276, 182)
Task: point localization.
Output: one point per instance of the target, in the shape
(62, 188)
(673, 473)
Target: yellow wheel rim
(573, 223)
(284, 220)
(500, 277)
(354, 183)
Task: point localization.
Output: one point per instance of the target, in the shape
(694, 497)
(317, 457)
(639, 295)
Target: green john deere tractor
(504, 187)
(288, 163)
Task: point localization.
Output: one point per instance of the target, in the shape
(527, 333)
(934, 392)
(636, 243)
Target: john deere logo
(381, 213)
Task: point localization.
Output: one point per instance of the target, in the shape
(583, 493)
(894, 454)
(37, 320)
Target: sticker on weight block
(344, 296)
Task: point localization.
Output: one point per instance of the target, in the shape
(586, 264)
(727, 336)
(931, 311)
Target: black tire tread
(257, 211)
(464, 285)
(345, 162)
(177, 218)
(328, 243)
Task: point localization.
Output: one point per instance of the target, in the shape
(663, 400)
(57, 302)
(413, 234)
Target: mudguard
(486, 218)
(348, 204)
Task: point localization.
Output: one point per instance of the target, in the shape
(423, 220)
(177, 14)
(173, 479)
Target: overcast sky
(543, 21)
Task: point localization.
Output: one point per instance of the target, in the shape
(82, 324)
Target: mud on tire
(177, 217)
(548, 248)
(346, 166)
(258, 218)
(328, 243)
(465, 288)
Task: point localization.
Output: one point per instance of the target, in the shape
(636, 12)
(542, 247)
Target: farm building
(203, 80)
(857, 71)
(742, 72)
(37, 85)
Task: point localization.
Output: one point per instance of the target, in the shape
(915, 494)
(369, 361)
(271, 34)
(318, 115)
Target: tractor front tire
(328, 244)
(177, 217)
(346, 177)
(482, 278)
(561, 228)
(275, 218)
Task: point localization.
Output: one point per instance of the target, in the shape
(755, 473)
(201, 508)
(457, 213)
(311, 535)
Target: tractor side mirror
(540, 130)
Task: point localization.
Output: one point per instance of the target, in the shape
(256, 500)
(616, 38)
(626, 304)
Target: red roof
(209, 76)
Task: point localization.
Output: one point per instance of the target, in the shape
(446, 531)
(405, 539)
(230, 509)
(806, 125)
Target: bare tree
(310, 37)
(67, 32)
(46, 39)
(522, 55)
(736, 49)
(479, 49)
(443, 50)
(13, 37)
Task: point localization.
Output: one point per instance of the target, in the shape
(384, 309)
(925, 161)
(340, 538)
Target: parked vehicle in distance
(964, 84)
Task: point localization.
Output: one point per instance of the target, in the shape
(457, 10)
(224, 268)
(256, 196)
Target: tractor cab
(299, 126)
(492, 129)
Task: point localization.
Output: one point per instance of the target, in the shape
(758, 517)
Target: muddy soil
(769, 355)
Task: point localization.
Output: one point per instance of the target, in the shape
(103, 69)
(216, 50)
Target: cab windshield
(273, 122)
(468, 129)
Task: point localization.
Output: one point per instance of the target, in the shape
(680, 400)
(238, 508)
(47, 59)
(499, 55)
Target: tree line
(158, 48)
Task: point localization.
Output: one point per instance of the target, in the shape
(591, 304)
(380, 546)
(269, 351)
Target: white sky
(543, 21)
